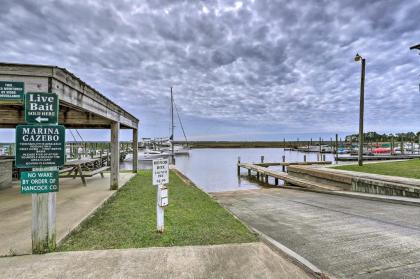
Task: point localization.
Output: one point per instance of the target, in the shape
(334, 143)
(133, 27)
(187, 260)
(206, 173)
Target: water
(214, 169)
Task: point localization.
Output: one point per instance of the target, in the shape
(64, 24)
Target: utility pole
(172, 129)
(361, 110)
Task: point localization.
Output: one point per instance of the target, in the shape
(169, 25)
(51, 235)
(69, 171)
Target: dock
(263, 173)
(379, 157)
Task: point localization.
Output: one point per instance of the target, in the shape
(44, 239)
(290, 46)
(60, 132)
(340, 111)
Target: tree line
(374, 136)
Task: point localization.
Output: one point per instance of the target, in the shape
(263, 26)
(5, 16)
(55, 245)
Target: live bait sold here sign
(40, 146)
(41, 108)
(38, 182)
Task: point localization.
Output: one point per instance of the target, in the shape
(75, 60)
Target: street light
(418, 48)
(358, 58)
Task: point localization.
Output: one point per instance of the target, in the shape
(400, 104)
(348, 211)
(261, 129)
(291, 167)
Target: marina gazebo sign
(40, 146)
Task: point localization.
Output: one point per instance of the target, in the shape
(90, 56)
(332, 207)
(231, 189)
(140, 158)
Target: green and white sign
(32, 182)
(41, 108)
(40, 146)
(11, 91)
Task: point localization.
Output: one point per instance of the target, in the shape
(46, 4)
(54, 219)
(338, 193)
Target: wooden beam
(115, 155)
(135, 149)
(71, 90)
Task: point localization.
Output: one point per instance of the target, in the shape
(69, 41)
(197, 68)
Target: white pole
(159, 211)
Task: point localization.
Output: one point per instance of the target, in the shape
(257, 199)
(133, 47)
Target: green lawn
(129, 219)
(409, 168)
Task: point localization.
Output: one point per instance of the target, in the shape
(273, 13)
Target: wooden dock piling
(283, 167)
(239, 169)
(336, 147)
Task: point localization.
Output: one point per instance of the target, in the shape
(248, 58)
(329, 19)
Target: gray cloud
(287, 64)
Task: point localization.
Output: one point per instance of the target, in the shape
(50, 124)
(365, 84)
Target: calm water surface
(214, 170)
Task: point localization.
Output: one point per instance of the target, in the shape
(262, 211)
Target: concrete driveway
(74, 203)
(248, 260)
(344, 237)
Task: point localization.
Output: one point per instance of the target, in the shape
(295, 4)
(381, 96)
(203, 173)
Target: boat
(382, 150)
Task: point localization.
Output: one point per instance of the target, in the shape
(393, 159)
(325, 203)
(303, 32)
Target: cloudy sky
(244, 70)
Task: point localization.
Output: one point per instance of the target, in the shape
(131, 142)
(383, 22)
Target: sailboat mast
(172, 126)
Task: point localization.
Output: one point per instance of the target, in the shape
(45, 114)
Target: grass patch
(409, 168)
(129, 219)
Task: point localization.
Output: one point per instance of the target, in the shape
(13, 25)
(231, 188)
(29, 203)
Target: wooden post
(284, 142)
(100, 158)
(402, 145)
(115, 155)
(304, 158)
(392, 145)
(336, 147)
(320, 146)
(258, 176)
(135, 149)
(262, 159)
(43, 220)
(283, 168)
(418, 149)
(276, 181)
(239, 168)
(39, 223)
(266, 178)
(249, 172)
(71, 150)
(331, 145)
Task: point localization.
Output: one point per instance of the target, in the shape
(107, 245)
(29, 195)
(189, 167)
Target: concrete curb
(291, 255)
(356, 195)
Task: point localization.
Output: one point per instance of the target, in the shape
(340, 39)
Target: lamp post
(418, 48)
(361, 107)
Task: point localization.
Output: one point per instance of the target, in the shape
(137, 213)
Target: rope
(180, 122)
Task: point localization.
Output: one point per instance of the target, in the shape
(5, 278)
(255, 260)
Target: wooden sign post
(41, 145)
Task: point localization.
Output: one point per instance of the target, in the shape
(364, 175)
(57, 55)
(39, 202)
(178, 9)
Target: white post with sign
(160, 178)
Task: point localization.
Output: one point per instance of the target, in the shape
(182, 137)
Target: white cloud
(287, 64)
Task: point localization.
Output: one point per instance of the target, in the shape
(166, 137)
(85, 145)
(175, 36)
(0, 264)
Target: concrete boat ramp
(335, 221)
(345, 237)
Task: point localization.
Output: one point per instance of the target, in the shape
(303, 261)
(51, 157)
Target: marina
(209, 139)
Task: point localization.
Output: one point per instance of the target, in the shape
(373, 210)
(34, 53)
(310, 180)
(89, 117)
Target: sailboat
(177, 150)
(165, 147)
